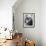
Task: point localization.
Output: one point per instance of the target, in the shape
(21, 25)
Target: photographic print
(29, 20)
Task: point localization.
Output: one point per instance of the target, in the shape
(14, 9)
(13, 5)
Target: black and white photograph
(29, 20)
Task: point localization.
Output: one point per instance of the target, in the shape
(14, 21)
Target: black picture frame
(28, 20)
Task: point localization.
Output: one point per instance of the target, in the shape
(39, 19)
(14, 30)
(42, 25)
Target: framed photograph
(29, 20)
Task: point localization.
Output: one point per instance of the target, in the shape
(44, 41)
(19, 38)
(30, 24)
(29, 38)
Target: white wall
(29, 6)
(43, 22)
(6, 13)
